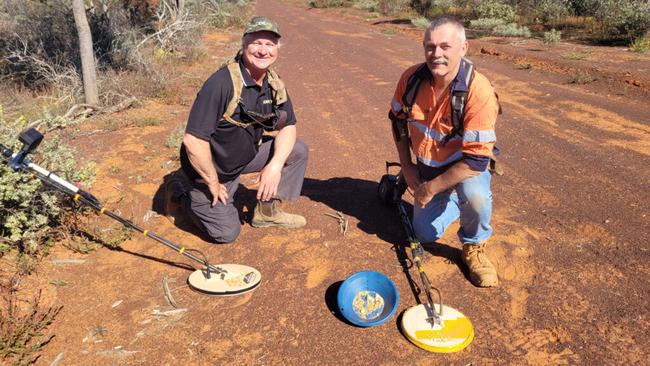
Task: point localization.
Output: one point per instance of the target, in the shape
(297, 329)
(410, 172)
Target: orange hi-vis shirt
(429, 123)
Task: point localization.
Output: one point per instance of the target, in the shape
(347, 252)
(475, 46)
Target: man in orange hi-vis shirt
(450, 177)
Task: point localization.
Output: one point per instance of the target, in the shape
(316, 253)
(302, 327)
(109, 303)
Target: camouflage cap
(260, 23)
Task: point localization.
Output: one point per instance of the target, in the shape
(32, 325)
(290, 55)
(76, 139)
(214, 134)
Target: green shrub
(39, 37)
(23, 329)
(39, 47)
(511, 30)
(577, 55)
(495, 9)
(392, 7)
(552, 37)
(420, 22)
(175, 139)
(420, 6)
(388, 30)
(36, 49)
(29, 211)
(583, 7)
(581, 77)
(147, 121)
(438, 8)
(524, 65)
(551, 11)
(640, 45)
(386, 7)
(222, 13)
(486, 24)
(369, 5)
(629, 19)
(432, 8)
(328, 3)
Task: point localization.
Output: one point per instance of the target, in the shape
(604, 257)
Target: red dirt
(571, 218)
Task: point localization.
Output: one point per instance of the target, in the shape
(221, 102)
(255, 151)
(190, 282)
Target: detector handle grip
(6, 152)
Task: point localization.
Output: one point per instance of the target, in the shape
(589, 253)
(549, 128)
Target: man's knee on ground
(224, 236)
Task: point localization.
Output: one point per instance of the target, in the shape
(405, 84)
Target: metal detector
(431, 326)
(216, 280)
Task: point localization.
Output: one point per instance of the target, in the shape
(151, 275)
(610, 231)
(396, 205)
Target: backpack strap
(412, 87)
(458, 97)
(279, 92)
(399, 119)
(278, 88)
(237, 85)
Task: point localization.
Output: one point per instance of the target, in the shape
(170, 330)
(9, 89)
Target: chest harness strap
(458, 97)
(278, 91)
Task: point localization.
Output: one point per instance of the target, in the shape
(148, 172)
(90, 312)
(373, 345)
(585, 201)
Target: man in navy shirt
(223, 139)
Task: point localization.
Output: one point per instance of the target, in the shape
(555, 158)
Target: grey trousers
(221, 222)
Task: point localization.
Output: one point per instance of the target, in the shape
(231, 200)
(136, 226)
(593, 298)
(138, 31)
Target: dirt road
(571, 240)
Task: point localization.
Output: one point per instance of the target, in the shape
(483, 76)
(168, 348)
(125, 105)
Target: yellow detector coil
(453, 334)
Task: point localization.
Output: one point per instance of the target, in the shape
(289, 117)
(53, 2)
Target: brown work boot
(269, 214)
(174, 189)
(481, 271)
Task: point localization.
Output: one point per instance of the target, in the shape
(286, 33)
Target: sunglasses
(268, 121)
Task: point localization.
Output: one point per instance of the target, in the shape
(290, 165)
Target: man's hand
(423, 194)
(200, 156)
(219, 193)
(269, 179)
(457, 173)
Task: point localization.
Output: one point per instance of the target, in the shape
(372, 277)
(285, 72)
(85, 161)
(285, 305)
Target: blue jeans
(471, 200)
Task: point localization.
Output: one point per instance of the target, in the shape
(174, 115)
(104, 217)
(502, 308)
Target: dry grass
(23, 328)
(641, 45)
(581, 78)
(578, 55)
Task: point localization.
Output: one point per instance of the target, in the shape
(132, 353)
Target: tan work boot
(481, 271)
(269, 214)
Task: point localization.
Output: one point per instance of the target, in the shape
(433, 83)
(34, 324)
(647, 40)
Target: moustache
(441, 61)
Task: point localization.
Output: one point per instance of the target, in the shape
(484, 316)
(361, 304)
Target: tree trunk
(86, 52)
(180, 5)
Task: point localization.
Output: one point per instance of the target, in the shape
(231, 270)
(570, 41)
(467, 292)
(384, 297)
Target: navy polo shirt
(232, 147)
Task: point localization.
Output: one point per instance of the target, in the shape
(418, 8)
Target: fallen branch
(168, 293)
(71, 113)
(120, 106)
(79, 112)
(68, 261)
(342, 220)
(57, 359)
(119, 353)
(173, 312)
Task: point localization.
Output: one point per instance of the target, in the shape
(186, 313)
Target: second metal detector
(216, 280)
(431, 326)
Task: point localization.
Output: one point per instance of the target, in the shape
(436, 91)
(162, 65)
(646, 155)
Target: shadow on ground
(245, 202)
(331, 295)
(393, 21)
(353, 197)
(119, 249)
(358, 198)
